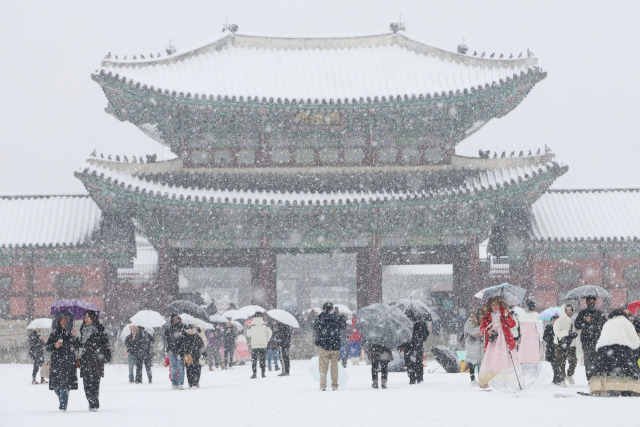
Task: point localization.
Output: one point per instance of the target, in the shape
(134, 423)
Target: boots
(374, 384)
(43, 381)
(384, 383)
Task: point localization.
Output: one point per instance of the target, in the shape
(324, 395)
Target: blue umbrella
(512, 294)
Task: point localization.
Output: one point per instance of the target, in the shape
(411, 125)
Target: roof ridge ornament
(397, 26)
(232, 28)
(463, 48)
(171, 49)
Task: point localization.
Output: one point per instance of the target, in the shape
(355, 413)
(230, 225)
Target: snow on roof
(490, 179)
(419, 270)
(145, 263)
(47, 220)
(318, 68)
(587, 215)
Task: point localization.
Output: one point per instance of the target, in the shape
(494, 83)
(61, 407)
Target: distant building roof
(573, 215)
(47, 220)
(419, 270)
(387, 65)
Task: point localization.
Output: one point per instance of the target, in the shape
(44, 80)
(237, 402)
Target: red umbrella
(634, 307)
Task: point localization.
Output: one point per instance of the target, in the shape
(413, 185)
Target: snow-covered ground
(230, 398)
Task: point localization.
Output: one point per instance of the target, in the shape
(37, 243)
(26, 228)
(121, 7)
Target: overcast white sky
(587, 109)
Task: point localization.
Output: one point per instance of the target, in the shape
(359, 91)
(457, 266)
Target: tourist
(516, 330)
(355, 343)
(147, 359)
(550, 353)
(229, 340)
(62, 344)
(36, 352)
(473, 344)
(284, 340)
(565, 346)
(615, 368)
(214, 343)
(193, 350)
(531, 334)
(414, 353)
(272, 348)
(136, 347)
(589, 322)
(259, 334)
(95, 353)
(380, 357)
(499, 345)
(327, 329)
(174, 348)
(343, 357)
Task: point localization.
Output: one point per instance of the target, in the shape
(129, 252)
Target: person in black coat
(36, 352)
(194, 347)
(174, 348)
(62, 344)
(95, 353)
(229, 342)
(137, 346)
(284, 339)
(327, 329)
(148, 354)
(414, 352)
(550, 354)
(380, 357)
(590, 322)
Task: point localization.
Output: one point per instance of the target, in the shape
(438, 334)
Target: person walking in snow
(229, 340)
(355, 343)
(36, 352)
(565, 345)
(272, 348)
(589, 322)
(214, 343)
(136, 346)
(193, 350)
(259, 334)
(147, 358)
(531, 334)
(284, 340)
(414, 352)
(550, 352)
(380, 357)
(62, 343)
(174, 348)
(473, 344)
(94, 345)
(343, 357)
(327, 329)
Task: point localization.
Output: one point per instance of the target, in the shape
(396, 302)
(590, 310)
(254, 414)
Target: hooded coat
(95, 350)
(174, 337)
(64, 373)
(562, 327)
(259, 333)
(473, 344)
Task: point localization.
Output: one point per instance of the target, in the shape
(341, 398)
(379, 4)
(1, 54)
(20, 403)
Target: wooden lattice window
(568, 275)
(68, 283)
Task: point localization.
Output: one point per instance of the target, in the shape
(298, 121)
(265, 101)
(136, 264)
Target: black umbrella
(384, 325)
(446, 358)
(415, 310)
(182, 306)
(587, 291)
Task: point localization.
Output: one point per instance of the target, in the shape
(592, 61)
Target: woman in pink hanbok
(531, 332)
(500, 355)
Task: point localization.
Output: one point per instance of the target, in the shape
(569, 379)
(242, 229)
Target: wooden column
(264, 288)
(466, 277)
(30, 279)
(368, 276)
(113, 295)
(166, 284)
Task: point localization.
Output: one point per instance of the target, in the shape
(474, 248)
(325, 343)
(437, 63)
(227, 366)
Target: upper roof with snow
(47, 220)
(574, 215)
(387, 65)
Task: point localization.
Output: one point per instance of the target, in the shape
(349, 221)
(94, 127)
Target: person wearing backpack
(565, 346)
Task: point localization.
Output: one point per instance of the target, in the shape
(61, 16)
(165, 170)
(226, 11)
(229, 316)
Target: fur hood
(562, 326)
(618, 330)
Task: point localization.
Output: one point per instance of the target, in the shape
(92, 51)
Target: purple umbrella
(74, 306)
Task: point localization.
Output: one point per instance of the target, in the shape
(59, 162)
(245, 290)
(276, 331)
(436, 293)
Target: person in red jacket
(355, 343)
(500, 355)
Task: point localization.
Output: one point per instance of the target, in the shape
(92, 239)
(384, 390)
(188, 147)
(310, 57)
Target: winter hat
(327, 306)
(258, 314)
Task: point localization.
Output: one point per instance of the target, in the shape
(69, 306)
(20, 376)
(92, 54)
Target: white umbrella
(237, 324)
(343, 309)
(230, 313)
(248, 311)
(316, 310)
(218, 318)
(512, 294)
(148, 319)
(41, 323)
(283, 317)
(187, 319)
(126, 331)
(203, 325)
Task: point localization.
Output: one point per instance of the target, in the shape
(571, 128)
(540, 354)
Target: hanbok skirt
(498, 360)
(529, 351)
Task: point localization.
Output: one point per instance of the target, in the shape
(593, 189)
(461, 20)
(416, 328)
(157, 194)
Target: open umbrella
(384, 325)
(248, 311)
(74, 306)
(549, 313)
(237, 324)
(148, 319)
(184, 306)
(634, 307)
(512, 294)
(41, 323)
(446, 358)
(283, 317)
(188, 319)
(415, 310)
(343, 309)
(218, 318)
(126, 331)
(230, 313)
(587, 291)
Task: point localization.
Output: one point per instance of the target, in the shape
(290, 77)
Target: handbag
(188, 360)
(166, 361)
(45, 371)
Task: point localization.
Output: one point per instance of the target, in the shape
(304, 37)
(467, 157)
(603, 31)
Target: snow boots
(384, 383)
(374, 384)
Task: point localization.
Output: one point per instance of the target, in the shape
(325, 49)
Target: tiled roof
(484, 180)
(47, 220)
(419, 270)
(388, 65)
(574, 215)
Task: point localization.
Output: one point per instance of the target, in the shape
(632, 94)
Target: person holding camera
(499, 345)
(565, 346)
(590, 322)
